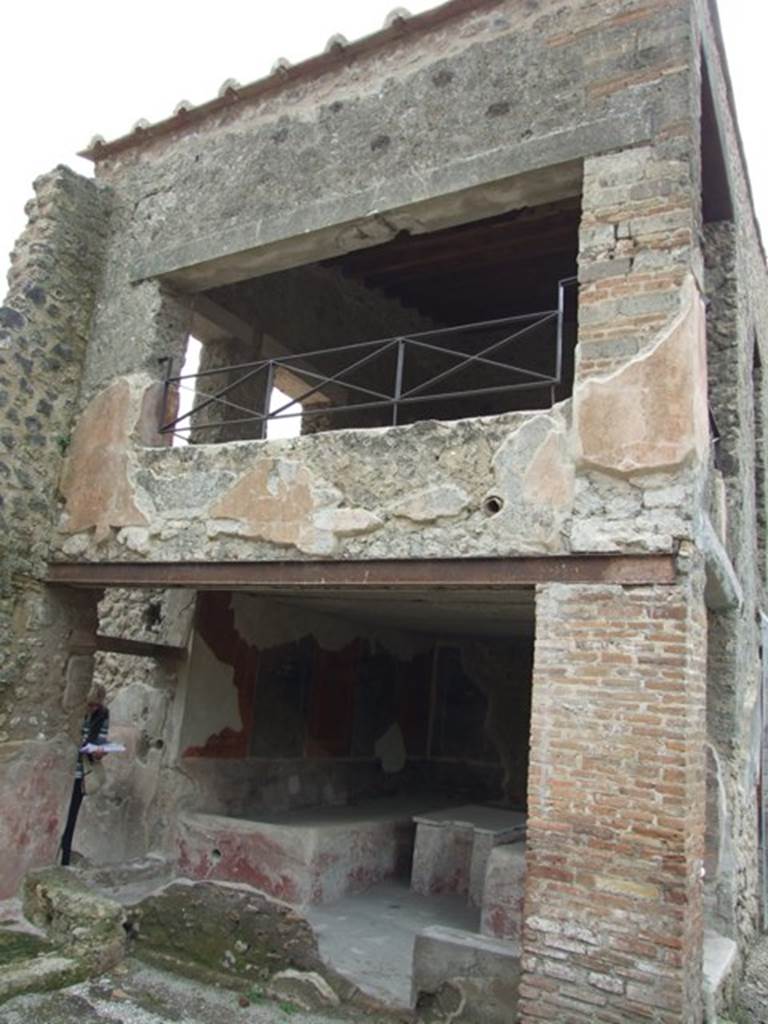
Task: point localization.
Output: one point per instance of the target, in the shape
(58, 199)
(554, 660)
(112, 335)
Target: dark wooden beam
(139, 648)
(460, 573)
(462, 252)
(560, 220)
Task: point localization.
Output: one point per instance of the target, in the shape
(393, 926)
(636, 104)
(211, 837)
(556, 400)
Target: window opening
(473, 320)
(185, 390)
(716, 201)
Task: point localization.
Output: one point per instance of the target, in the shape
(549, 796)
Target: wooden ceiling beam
(404, 258)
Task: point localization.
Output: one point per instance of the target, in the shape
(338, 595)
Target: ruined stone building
(489, 622)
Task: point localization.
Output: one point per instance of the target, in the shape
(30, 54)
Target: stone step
(475, 966)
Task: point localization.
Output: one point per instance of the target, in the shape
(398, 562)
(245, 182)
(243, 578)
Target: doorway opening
(364, 757)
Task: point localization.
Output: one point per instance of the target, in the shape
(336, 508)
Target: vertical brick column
(613, 926)
(635, 250)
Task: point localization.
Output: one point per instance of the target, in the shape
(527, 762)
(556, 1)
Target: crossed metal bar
(531, 379)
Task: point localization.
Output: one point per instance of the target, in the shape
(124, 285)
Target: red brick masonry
(613, 926)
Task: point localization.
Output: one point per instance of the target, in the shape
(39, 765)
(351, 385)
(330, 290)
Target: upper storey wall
(497, 91)
(507, 88)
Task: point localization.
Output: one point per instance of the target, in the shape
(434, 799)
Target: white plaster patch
(432, 503)
(390, 749)
(346, 521)
(600, 536)
(265, 622)
(77, 544)
(211, 703)
(135, 538)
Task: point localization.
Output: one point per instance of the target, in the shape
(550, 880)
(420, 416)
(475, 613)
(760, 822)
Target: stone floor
(369, 937)
(135, 994)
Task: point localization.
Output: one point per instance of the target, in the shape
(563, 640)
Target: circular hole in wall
(153, 614)
(493, 504)
(215, 855)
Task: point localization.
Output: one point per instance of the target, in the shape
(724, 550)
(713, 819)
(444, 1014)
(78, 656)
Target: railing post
(168, 360)
(398, 379)
(267, 398)
(560, 319)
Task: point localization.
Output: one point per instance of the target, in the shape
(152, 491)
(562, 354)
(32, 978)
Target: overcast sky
(70, 70)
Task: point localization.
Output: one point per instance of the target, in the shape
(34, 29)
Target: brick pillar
(613, 928)
(635, 250)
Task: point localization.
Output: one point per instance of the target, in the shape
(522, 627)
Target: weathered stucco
(100, 456)
(651, 413)
(411, 491)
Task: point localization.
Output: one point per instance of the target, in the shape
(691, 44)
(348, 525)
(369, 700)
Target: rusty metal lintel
(449, 574)
(138, 648)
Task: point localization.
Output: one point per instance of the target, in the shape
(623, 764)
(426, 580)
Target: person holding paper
(94, 732)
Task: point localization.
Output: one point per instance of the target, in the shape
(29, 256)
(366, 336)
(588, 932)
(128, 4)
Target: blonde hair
(97, 694)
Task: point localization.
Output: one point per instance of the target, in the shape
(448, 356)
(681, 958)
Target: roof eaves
(398, 24)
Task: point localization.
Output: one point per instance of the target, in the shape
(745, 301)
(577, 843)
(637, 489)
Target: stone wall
(735, 281)
(430, 130)
(616, 805)
(500, 89)
(44, 328)
(45, 636)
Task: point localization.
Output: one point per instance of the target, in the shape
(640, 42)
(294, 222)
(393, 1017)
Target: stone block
(221, 934)
(442, 859)
(502, 913)
(720, 962)
(442, 954)
(38, 974)
(453, 847)
(76, 918)
(305, 989)
(315, 861)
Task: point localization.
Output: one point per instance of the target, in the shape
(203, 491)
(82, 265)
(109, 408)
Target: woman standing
(94, 730)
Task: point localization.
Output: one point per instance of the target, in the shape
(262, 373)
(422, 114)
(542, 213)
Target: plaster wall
(286, 707)
(133, 810)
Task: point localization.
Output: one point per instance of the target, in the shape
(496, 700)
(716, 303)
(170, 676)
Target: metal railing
(467, 352)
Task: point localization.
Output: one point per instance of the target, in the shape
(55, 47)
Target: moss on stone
(220, 934)
(15, 945)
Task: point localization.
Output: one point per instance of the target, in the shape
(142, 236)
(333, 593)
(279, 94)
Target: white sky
(70, 70)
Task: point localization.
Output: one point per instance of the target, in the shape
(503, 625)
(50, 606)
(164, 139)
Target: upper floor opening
(470, 320)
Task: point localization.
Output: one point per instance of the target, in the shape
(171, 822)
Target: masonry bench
(453, 846)
(308, 856)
